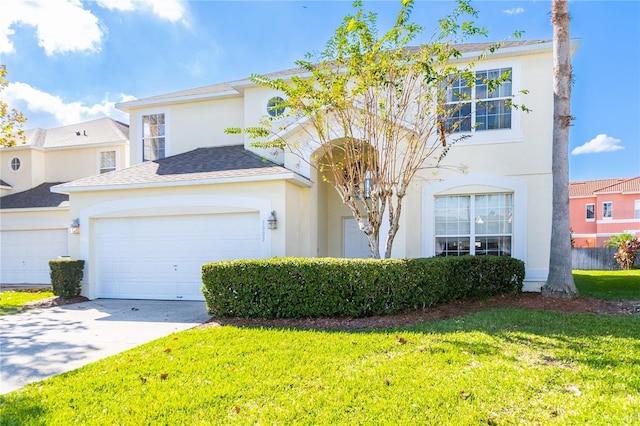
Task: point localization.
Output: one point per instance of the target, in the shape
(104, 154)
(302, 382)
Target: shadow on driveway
(42, 343)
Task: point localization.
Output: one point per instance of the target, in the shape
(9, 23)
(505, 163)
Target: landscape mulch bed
(445, 311)
(433, 313)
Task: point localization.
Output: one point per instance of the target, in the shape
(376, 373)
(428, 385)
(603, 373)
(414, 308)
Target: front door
(355, 243)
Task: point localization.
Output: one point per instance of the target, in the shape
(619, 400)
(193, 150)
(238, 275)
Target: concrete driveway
(42, 343)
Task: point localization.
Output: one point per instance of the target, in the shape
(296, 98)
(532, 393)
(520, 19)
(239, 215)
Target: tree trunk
(560, 280)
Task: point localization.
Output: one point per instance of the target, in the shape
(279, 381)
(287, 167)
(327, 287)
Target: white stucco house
(34, 222)
(194, 194)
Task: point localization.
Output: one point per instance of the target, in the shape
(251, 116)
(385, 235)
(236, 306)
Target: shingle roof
(200, 164)
(592, 187)
(102, 130)
(3, 183)
(40, 196)
(231, 86)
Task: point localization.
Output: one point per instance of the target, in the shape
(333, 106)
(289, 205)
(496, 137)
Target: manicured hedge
(326, 287)
(66, 277)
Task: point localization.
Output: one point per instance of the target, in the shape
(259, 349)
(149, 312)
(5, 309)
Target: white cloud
(514, 11)
(61, 25)
(171, 10)
(55, 111)
(601, 143)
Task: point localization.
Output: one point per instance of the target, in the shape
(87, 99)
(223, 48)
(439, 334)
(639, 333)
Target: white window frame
(269, 112)
(586, 212)
(474, 221)
(636, 209)
(140, 132)
(604, 210)
(99, 160)
(12, 162)
(514, 134)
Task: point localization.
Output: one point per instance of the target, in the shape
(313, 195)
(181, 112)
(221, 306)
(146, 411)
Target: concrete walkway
(42, 343)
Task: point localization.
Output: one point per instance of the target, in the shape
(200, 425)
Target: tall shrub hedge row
(325, 287)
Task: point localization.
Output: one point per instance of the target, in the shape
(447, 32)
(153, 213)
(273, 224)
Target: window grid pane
(153, 136)
(482, 107)
(107, 161)
(607, 210)
(484, 219)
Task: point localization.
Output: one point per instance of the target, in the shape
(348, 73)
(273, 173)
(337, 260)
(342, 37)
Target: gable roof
(37, 197)
(590, 188)
(99, 131)
(202, 165)
(233, 88)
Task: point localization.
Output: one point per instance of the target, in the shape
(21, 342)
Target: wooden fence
(594, 258)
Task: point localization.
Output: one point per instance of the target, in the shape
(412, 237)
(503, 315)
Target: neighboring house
(601, 208)
(34, 222)
(195, 194)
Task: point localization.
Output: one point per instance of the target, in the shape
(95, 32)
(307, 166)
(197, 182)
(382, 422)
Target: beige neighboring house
(35, 222)
(194, 194)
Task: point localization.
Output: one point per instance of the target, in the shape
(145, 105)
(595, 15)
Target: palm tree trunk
(560, 280)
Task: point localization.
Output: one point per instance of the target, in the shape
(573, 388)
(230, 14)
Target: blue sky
(71, 60)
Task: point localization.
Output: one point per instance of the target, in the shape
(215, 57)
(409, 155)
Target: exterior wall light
(272, 222)
(74, 228)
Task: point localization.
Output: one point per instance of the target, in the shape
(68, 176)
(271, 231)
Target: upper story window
(15, 164)
(474, 224)
(107, 161)
(153, 137)
(637, 209)
(275, 108)
(607, 210)
(482, 106)
(591, 211)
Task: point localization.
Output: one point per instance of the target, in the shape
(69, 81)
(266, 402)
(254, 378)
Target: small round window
(15, 164)
(275, 106)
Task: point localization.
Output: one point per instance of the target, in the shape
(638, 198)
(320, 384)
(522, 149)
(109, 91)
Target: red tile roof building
(605, 207)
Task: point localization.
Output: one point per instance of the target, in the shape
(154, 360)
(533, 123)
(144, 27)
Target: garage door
(25, 255)
(161, 257)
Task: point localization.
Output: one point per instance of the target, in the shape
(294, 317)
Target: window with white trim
(481, 107)
(474, 224)
(15, 164)
(607, 210)
(107, 161)
(590, 211)
(636, 209)
(153, 137)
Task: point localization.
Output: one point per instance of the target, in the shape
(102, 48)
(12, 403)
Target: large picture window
(474, 224)
(153, 137)
(481, 107)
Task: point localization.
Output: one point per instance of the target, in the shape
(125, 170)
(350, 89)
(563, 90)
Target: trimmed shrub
(66, 277)
(326, 287)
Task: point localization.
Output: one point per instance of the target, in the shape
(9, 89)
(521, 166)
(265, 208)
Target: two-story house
(601, 208)
(195, 194)
(35, 222)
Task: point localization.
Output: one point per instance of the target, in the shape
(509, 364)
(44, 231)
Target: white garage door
(161, 257)
(26, 254)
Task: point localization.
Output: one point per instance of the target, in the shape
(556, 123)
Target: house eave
(35, 209)
(139, 103)
(294, 178)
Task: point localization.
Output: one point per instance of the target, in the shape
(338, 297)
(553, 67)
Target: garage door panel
(25, 255)
(161, 257)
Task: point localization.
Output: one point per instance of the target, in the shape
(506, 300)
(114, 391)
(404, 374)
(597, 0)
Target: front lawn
(13, 301)
(505, 366)
(608, 285)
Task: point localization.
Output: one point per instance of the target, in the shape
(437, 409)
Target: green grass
(13, 301)
(609, 285)
(496, 367)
